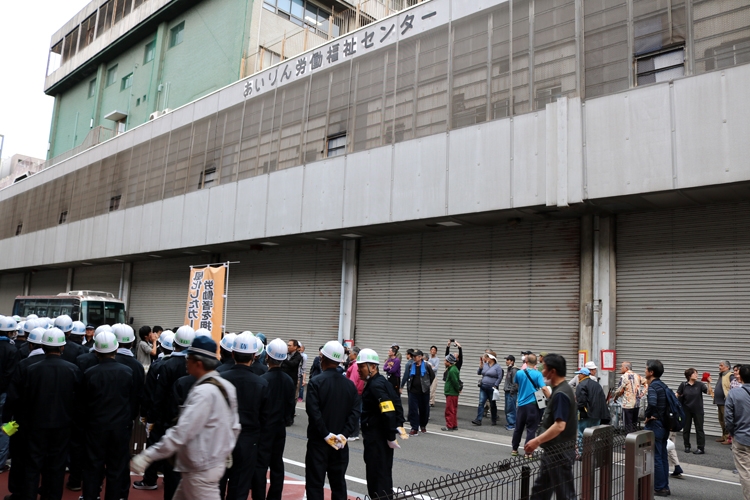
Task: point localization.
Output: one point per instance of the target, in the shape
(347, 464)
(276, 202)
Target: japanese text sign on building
(205, 303)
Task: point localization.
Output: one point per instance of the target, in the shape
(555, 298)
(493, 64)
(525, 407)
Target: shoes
(677, 471)
(140, 485)
(728, 442)
(509, 428)
(699, 451)
(414, 432)
(353, 438)
(493, 423)
(529, 457)
(299, 400)
(433, 404)
(721, 439)
(514, 453)
(662, 493)
(74, 487)
(476, 422)
(6, 468)
(687, 449)
(423, 429)
(449, 428)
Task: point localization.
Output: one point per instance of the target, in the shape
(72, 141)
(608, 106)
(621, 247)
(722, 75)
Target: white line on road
(469, 439)
(348, 478)
(710, 479)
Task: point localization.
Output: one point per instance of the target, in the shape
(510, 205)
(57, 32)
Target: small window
(149, 52)
(19, 228)
(92, 88)
(269, 58)
(63, 217)
(111, 75)
(127, 82)
(661, 66)
(336, 145)
(547, 96)
(114, 203)
(177, 34)
(208, 177)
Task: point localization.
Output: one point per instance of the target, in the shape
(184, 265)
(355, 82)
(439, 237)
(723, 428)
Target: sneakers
(299, 400)
(721, 439)
(140, 485)
(74, 487)
(423, 429)
(514, 453)
(699, 451)
(414, 432)
(662, 493)
(493, 423)
(449, 428)
(687, 449)
(476, 422)
(677, 471)
(509, 428)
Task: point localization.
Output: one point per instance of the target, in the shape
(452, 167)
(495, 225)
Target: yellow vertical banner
(205, 304)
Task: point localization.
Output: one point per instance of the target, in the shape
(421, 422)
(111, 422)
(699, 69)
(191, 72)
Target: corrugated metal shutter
(159, 291)
(683, 290)
(49, 282)
(98, 278)
(287, 292)
(509, 289)
(11, 286)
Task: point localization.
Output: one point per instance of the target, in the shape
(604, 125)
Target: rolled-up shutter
(505, 288)
(683, 291)
(49, 282)
(11, 286)
(287, 292)
(98, 278)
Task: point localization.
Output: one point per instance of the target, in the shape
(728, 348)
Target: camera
(451, 340)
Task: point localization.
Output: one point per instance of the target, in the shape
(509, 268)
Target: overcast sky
(26, 28)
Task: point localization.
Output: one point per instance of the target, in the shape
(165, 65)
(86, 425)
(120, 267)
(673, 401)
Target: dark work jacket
(382, 412)
(164, 402)
(11, 410)
(50, 394)
(108, 394)
(139, 378)
(280, 399)
(8, 361)
(568, 434)
(332, 406)
(291, 366)
(226, 364)
(417, 383)
(591, 400)
(23, 350)
(71, 351)
(315, 368)
(258, 368)
(149, 387)
(252, 399)
(86, 361)
(182, 389)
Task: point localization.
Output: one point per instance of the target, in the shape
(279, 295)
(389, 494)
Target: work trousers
(555, 476)
(19, 453)
(630, 418)
(46, 457)
(510, 408)
(661, 460)
(433, 390)
(419, 409)
(378, 464)
(201, 485)
(4, 439)
(451, 409)
(700, 436)
(721, 422)
(321, 459)
(150, 476)
(237, 481)
(106, 457)
(77, 456)
(742, 463)
(527, 416)
(275, 462)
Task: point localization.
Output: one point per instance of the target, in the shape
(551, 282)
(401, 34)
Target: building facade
(527, 174)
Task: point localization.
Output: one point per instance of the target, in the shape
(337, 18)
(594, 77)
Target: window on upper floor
(114, 203)
(660, 66)
(111, 75)
(728, 54)
(88, 27)
(92, 88)
(336, 145)
(177, 35)
(304, 13)
(63, 217)
(149, 52)
(269, 58)
(208, 178)
(19, 228)
(127, 82)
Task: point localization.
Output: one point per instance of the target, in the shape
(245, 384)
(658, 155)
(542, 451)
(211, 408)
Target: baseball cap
(543, 353)
(511, 357)
(583, 371)
(591, 365)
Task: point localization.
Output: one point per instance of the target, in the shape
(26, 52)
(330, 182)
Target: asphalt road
(438, 453)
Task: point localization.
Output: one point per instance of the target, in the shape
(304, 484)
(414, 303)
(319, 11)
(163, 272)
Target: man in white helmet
(225, 352)
(48, 399)
(332, 410)
(281, 404)
(8, 361)
(382, 415)
(72, 350)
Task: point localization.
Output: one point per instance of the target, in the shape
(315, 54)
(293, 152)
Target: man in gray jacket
(206, 431)
(737, 423)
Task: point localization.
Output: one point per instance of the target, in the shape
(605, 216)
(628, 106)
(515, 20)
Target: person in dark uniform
(420, 379)
(109, 403)
(48, 398)
(382, 415)
(291, 367)
(253, 407)
(333, 411)
(281, 404)
(8, 361)
(77, 437)
(88, 341)
(225, 352)
(165, 406)
(20, 339)
(72, 350)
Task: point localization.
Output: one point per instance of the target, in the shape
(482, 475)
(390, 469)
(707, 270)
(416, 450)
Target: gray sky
(26, 28)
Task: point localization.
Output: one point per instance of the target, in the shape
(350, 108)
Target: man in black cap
(420, 379)
(88, 340)
(511, 392)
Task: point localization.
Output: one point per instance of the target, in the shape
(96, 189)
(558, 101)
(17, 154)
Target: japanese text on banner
(205, 304)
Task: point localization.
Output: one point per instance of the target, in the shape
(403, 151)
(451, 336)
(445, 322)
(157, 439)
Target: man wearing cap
(591, 367)
(110, 405)
(47, 399)
(510, 387)
(540, 361)
(382, 415)
(332, 409)
(451, 389)
(206, 431)
(420, 380)
(592, 404)
(88, 340)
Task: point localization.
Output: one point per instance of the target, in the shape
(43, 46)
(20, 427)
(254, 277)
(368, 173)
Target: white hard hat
(78, 328)
(30, 324)
(202, 332)
(334, 351)
(106, 342)
(123, 334)
(20, 326)
(47, 323)
(35, 336)
(368, 356)
(32, 316)
(184, 336)
(246, 343)
(102, 328)
(167, 341)
(7, 324)
(277, 350)
(227, 343)
(53, 337)
(17, 317)
(164, 334)
(64, 323)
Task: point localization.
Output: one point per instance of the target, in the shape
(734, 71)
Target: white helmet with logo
(227, 342)
(166, 340)
(7, 324)
(368, 356)
(246, 343)
(105, 342)
(123, 334)
(53, 337)
(64, 323)
(30, 324)
(35, 336)
(102, 328)
(334, 351)
(277, 350)
(202, 332)
(184, 336)
(78, 328)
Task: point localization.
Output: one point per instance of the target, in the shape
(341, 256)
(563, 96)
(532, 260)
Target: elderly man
(720, 394)
(630, 390)
(206, 431)
(737, 416)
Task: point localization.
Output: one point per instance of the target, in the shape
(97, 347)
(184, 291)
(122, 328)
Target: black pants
(378, 464)
(106, 457)
(419, 409)
(77, 456)
(273, 458)
(46, 457)
(527, 416)
(150, 476)
(698, 418)
(321, 459)
(630, 418)
(19, 453)
(555, 476)
(237, 481)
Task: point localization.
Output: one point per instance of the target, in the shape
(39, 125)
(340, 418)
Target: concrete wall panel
(323, 200)
(115, 233)
(419, 178)
(209, 105)
(151, 226)
(221, 209)
(132, 229)
(367, 193)
(99, 238)
(194, 218)
(35, 254)
(529, 160)
(252, 205)
(50, 244)
(85, 235)
(72, 244)
(284, 202)
(172, 216)
(61, 243)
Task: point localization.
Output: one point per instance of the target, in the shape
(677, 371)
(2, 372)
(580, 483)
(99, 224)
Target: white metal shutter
(683, 291)
(287, 292)
(159, 291)
(509, 289)
(11, 286)
(98, 278)
(49, 282)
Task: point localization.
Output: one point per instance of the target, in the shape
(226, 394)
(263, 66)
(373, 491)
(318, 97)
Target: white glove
(342, 441)
(140, 463)
(332, 440)
(394, 444)
(229, 461)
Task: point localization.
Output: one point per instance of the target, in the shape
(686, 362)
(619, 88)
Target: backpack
(674, 418)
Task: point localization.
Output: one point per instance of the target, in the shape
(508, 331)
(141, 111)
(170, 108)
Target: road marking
(348, 478)
(470, 439)
(711, 479)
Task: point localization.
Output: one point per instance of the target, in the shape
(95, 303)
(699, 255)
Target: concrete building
(17, 168)
(524, 174)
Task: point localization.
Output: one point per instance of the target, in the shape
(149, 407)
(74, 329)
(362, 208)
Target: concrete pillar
(605, 304)
(101, 76)
(126, 273)
(348, 304)
(587, 285)
(157, 69)
(26, 283)
(69, 282)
